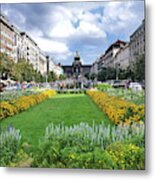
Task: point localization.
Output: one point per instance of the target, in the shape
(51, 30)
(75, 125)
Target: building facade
(108, 59)
(42, 64)
(30, 51)
(77, 69)
(53, 67)
(94, 67)
(137, 42)
(19, 45)
(7, 38)
(18, 48)
(122, 57)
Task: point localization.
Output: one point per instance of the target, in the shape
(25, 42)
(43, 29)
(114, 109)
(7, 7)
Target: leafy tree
(102, 75)
(111, 73)
(51, 76)
(138, 68)
(107, 74)
(20, 71)
(6, 66)
(87, 75)
(62, 77)
(93, 76)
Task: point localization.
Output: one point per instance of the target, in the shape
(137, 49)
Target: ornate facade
(77, 69)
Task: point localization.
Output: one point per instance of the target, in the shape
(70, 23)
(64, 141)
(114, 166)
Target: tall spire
(76, 56)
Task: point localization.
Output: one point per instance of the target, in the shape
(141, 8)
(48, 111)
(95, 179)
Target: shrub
(127, 156)
(6, 110)
(84, 146)
(10, 141)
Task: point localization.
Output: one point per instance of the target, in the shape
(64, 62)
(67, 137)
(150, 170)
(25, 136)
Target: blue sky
(89, 27)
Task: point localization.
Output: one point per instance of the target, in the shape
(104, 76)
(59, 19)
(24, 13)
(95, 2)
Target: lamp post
(46, 78)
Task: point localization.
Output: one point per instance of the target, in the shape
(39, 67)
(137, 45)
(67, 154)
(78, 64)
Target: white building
(122, 57)
(57, 69)
(7, 38)
(30, 51)
(42, 67)
(108, 59)
(18, 48)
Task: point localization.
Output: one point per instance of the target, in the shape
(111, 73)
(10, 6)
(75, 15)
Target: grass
(68, 109)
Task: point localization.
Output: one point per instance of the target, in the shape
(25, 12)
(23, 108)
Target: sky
(90, 28)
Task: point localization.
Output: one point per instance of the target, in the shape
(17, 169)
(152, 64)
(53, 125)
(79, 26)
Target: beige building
(30, 50)
(94, 67)
(18, 48)
(42, 67)
(137, 42)
(7, 38)
(58, 70)
(122, 57)
(108, 58)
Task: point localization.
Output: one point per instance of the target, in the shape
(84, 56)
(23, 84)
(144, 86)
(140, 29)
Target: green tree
(138, 68)
(107, 74)
(87, 75)
(62, 77)
(93, 76)
(102, 75)
(6, 66)
(51, 76)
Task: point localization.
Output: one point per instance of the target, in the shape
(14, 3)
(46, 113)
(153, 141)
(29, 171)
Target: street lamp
(46, 78)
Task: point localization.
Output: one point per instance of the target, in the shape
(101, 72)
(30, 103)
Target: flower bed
(96, 147)
(136, 97)
(12, 95)
(119, 111)
(13, 107)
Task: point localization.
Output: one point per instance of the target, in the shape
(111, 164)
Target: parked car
(135, 86)
(118, 84)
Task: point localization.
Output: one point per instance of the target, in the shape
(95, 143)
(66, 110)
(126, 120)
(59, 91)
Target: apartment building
(42, 67)
(7, 38)
(137, 42)
(122, 57)
(108, 58)
(30, 50)
(57, 69)
(94, 67)
(18, 47)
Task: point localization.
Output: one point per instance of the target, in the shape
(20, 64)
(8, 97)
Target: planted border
(23, 103)
(119, 111)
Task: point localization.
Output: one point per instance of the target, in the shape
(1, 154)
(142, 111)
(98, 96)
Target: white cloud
(52, 46)
(78, 25)
(90, 26)
(119, 17)
(63, 29)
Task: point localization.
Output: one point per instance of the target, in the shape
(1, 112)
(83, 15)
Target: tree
(102, 75)
(93, 76)
(107, 74)
(23, 71)
(62, 77)
(87, 75)
(6, 66)
(138, 68)
(51, 76)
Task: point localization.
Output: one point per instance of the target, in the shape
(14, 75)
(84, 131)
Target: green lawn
(68, 109)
